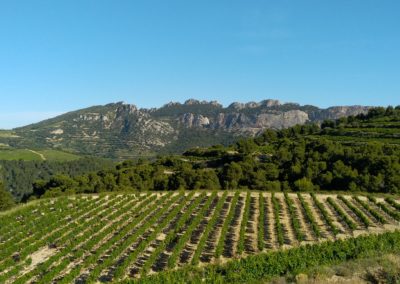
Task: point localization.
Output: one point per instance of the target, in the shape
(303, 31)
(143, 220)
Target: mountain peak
(270, 103)
(264, 103)
(203, 102)
(121, 130)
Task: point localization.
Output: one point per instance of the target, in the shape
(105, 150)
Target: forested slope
(122, 131)
(301, 158)
(19, 176)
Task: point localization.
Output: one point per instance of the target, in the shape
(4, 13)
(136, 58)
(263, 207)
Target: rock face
(265, 103)
(282, 120)
(194, 120)
(245, 123)
(120, 130)
(337, 112)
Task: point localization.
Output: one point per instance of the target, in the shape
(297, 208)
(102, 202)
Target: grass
(18, 154)
(55, 155)
(7, 134)
(10, 154)
(356, 139)
(382, 130)
(307, 264)
(377, 269)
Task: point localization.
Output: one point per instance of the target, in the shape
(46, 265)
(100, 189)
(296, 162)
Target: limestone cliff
(120, 130)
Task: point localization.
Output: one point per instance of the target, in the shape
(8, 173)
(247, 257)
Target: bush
(6, 200)
(304, 184)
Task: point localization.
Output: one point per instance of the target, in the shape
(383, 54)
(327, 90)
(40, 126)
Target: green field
(7, 153)
(130, 237)
(55, 155)
(18, 154)
(379, 128)
(8, 134)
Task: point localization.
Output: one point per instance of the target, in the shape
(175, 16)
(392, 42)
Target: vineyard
(111, 238)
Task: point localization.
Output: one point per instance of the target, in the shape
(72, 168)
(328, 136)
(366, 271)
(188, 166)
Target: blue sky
(57, 56)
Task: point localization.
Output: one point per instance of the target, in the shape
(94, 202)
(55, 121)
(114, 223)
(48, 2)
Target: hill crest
(120, 130)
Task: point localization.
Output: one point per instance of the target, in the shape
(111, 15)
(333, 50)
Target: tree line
(295, 159)
(18, 176)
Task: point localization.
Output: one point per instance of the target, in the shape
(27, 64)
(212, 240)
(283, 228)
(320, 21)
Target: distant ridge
(120, 130)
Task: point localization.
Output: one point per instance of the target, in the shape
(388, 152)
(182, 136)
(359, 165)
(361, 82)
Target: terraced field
(385, 130)
(107, 238)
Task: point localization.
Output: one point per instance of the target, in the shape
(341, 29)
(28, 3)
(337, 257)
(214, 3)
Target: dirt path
(231, 236)
(387, 217)
(103, 209)
(338, 222)
(319, 218)
(251, 245)
(104, 219)
(49, 234)
(161, 237)
(84, 218)
(109, 271)
(239, 224)
(290, 238)
(208, 253)
(270, 235)
(373, 220)
(234, 230)
(305, 226)
(37, 257)
(351, 214)
(134, 207)
(191, 246)
(37, 153)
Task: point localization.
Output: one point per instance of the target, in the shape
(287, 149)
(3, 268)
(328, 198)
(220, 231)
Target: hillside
(301, 158)
(247, 235)
(379, 125)
(122, 131)
(293, 199)
(19, 176)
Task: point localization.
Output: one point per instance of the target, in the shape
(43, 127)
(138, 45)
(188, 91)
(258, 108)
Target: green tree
(176, 181)
(207, 179)
(271, 171)
(231, 175)
(246, 146)
(160, 181)
(258, 180)
(304, 184)
(273, 185)
(6, 200)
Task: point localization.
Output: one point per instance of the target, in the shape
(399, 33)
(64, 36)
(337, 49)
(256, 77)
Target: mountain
(121, 131)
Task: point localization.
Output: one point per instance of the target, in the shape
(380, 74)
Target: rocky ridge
(121, 130)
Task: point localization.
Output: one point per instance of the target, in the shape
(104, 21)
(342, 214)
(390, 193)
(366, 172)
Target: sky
(58, 56)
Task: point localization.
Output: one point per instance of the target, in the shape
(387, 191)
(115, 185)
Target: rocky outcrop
(194, 120)
(191, 102)
(338, 112)
(121, 130)
(252, 105)
(270, 103)
(236, 106)
(245, 123)
(282, 120)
